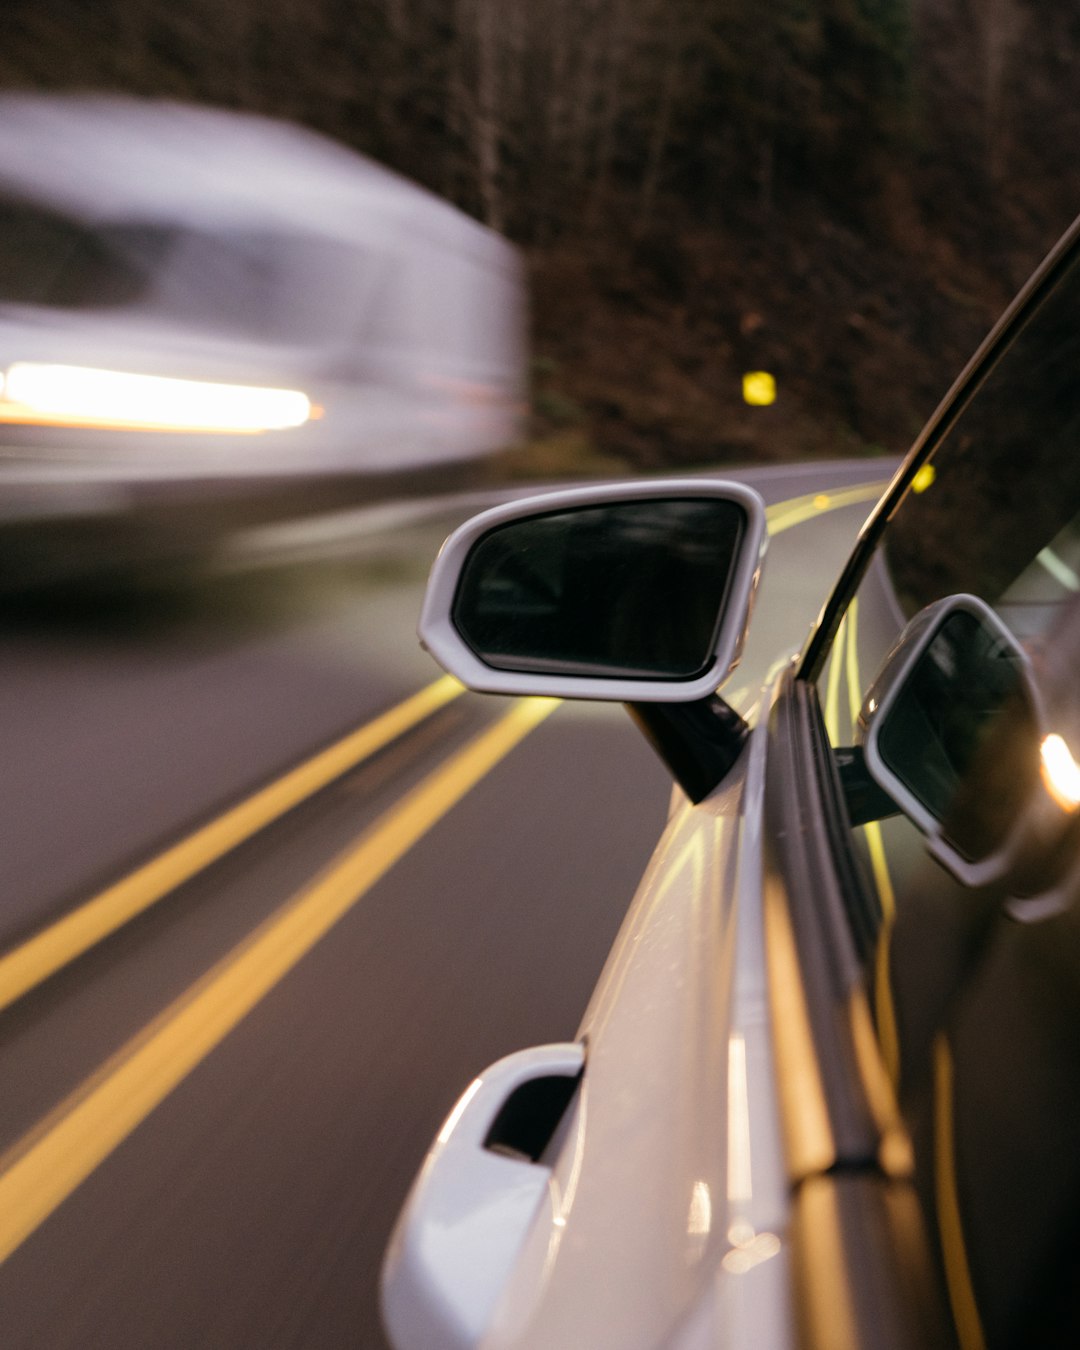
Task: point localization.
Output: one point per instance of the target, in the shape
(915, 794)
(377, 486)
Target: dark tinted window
(977, 1012)
(997, 520)
(47, 258)
(243, 282)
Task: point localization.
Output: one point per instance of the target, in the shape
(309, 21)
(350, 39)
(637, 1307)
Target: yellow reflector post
(80, 395)
(924, 478)
(758, 388)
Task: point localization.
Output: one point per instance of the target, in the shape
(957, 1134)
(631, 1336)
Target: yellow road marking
(783, 515)
(43, 1169)
(832, 692)
(811, 1147)
(41, 956)
(53, 948)
(957, 1272)
(854, 678)
(884, 1004)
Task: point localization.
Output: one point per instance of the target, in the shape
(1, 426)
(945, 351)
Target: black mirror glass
(632, 589)
(961, 734)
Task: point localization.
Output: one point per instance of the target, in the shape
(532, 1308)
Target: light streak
(1060, 772)
(82, 396)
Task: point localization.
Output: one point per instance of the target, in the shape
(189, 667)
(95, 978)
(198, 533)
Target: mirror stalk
(699, 742)
(865, 801)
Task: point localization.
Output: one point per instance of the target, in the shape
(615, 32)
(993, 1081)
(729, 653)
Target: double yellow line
(42, 1170)
(46, 1165)
(49, 951)
(54, 948)
(797, 510)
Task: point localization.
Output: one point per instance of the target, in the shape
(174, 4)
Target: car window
(976, 1010)
(257, 283)
(997, 513)
(52, 259)
(237, 281)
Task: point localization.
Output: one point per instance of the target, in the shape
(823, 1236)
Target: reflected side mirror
(954, 731)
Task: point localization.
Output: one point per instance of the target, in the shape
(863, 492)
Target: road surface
(273, 892)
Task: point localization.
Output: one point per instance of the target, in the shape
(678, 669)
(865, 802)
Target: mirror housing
(950, 730)
(629, 592)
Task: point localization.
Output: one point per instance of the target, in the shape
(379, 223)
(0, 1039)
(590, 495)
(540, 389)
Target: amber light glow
(34, 392)
(1060, 773)
(759, 388)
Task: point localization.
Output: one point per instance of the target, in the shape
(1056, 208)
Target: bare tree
(1000, 25)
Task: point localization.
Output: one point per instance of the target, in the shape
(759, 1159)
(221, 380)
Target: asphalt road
(224, 1072)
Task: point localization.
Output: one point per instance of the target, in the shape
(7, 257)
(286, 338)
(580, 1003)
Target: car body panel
(910, 1047)
(664, 1222)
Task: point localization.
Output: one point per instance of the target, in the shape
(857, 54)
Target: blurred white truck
(209, 318)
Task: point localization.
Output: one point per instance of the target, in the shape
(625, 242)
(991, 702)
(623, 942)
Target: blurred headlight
(79, 396)
(1061, 774)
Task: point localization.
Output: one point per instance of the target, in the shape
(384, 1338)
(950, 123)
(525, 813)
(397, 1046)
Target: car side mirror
(635, 592)
(951, 731)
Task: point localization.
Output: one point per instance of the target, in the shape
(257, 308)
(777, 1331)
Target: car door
(805, 1101)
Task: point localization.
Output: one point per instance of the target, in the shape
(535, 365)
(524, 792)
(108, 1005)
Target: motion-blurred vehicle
(209, 318)
(827, 1092)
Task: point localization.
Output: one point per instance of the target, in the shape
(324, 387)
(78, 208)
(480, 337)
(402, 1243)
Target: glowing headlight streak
(1060, 772)
(83, 396)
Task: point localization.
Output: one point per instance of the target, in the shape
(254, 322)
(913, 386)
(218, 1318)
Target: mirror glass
(961, 734)
(632, 589)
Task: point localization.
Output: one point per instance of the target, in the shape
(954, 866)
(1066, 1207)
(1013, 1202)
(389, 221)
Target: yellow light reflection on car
(758, 388)
(1060, 773)
(34, 392)
(924, 478)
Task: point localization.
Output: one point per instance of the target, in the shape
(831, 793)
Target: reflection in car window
(976, 1012)
(998, 519)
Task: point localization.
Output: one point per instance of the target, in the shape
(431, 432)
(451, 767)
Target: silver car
(827, 1091)
(209, 318)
